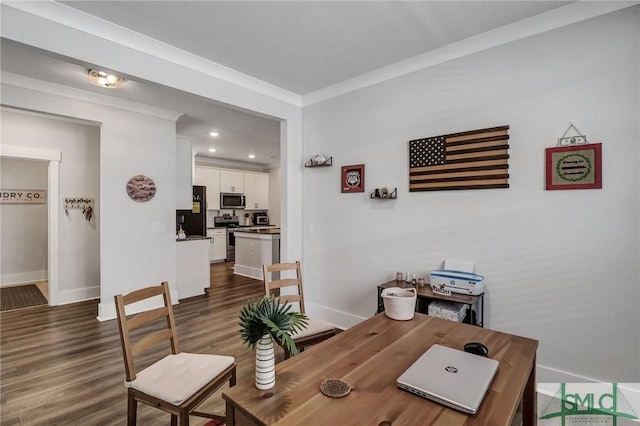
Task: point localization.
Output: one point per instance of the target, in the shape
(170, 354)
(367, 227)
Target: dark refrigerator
(194, 221)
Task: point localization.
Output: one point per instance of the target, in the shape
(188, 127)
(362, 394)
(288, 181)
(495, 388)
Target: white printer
(457, 281)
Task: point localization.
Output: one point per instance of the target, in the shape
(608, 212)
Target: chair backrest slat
(143, 293)
(147, 317)
(282, 283)
(275, 284)
(291, 298)
(286, 266)
(150, 340)
(153, 337)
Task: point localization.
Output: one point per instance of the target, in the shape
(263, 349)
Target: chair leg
(174, 420)
(132, 409)
(232, 380)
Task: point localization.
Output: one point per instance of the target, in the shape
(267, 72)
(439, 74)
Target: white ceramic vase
(265, 363)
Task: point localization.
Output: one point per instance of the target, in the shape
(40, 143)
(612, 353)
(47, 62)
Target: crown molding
(556, 18)
(21, 81)
(81, 21)
(566, 15)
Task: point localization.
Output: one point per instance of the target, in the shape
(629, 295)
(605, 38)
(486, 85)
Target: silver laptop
(451, 377)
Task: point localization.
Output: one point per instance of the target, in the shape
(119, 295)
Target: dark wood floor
(61, 366)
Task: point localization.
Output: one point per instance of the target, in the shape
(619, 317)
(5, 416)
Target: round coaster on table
(335, 388)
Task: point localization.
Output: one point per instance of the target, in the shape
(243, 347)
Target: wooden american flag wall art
(478, 159)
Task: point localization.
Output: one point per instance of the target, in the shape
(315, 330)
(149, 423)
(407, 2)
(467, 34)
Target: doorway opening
(16, 156)
(23, 224)
(71, 240)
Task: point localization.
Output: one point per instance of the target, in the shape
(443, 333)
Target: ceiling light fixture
(252, 156)
(212, 150)
(103, 79)
(214, 134)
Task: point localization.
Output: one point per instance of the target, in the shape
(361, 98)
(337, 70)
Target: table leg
(529, 399)
(230, 415)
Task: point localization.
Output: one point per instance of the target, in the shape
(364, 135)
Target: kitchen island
(254, 248)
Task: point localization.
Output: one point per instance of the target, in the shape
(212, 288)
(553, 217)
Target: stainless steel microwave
(232, 201)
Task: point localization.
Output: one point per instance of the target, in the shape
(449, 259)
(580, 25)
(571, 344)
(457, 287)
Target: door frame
(53, 157)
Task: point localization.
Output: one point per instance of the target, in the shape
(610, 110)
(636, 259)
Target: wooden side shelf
(327, 163)
(390, 196)
(475, 312)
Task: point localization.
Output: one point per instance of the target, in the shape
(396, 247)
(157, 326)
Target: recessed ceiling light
(252, 156)
(103, 79)
(212, 150)
(214, 134)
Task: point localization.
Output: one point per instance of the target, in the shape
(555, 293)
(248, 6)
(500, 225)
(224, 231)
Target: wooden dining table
(370, 357)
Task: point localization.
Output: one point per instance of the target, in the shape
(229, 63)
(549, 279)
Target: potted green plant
(263, 321)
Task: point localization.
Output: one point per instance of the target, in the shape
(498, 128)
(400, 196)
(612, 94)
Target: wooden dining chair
(177, 383)
(317, 330)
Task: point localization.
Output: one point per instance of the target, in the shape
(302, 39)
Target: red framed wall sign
(352, 178)
(574, 167)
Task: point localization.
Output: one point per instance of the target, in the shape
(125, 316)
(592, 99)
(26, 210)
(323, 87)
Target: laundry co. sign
(23, 196)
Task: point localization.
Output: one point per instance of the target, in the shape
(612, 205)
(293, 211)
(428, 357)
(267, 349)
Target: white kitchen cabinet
(192, 268)
(232, 181)
(184, 161)
(256, 190)
(218, 245)
(209, 177)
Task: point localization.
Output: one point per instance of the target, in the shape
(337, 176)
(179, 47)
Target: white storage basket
(399, 303)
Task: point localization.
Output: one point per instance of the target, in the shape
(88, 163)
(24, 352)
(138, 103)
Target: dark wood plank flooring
(61, 366)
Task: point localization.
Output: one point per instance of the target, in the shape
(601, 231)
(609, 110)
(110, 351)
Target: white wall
(23, 252)
(132, 254)
(45, 25)
(79, 246)
(275, 185)
(561, 266)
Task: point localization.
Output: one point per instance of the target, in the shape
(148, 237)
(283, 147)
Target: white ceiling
(302, 47)
(306, 46)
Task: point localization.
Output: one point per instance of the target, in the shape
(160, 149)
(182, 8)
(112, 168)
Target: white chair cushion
(315, 326)
(175, 378)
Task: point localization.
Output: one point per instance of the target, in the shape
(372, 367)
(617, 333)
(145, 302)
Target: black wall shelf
(326, 163)
(391, 195)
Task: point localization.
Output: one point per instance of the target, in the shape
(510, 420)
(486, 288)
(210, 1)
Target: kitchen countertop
(242, 227)
(194, 238)
(271, 231)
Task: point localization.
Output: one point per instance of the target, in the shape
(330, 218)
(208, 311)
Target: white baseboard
(248, 271)
(553, 375)
(22, 278)
(78, 295)
(340, 319)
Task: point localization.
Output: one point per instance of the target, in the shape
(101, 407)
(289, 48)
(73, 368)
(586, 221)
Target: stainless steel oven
(231, 241)
(231, 244)
(231, 223)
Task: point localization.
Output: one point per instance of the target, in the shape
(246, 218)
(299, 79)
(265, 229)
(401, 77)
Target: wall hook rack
(84, 203)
